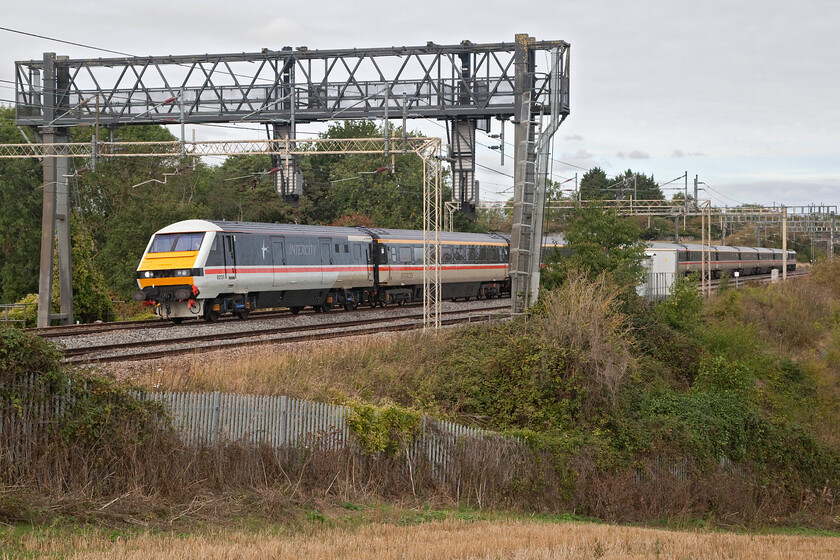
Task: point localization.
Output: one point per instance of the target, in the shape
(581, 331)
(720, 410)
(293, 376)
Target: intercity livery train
(205, 268)
(685, 259)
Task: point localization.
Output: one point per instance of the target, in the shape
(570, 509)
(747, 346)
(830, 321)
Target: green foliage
(593, 185)
(719, 374)
(683, 309)
(22, 353)
(386, 430)
(28, 314)
(98, 413)
(599, 241)
(91, 300)
(20, 216)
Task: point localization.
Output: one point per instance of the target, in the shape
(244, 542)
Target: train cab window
(176, 242)
(357, 252)
(190, 242)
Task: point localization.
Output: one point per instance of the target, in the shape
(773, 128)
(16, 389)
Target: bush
(28, 314)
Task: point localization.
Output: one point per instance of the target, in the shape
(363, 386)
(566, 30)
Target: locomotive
(206, 268)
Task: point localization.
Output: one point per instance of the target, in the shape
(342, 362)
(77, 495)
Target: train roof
(264, 228)
(446, 236)
(694, 247)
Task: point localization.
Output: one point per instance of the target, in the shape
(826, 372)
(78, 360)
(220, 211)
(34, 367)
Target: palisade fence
(225, 418)
(208, 419)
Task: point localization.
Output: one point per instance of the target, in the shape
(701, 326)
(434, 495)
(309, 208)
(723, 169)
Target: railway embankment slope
(722, 409)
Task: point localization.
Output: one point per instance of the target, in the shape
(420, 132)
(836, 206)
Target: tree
(20, 217)
(91, 300)
(596, 186)
(125, 201)
(365, 184)
(639, 185)
(598, 241)
(593, 185)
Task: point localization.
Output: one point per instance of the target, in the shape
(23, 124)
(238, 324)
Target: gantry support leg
(462, 156)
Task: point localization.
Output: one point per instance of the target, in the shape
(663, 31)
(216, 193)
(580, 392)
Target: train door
(278, 257)
(230, 256)
(368, 261)
(326, 261)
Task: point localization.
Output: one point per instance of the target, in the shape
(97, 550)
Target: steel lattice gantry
(466, 85)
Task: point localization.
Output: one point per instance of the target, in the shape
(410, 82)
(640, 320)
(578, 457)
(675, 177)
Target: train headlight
(148, 274)
(182, 272)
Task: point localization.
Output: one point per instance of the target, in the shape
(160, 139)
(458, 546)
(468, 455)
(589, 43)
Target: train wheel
(350, 305)
(325, 307)
(401, 302)
(295, 310)
(177, 320)
(211, 316)
(242, 314)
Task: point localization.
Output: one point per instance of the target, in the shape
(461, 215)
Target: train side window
(482, 254)
(405, 254)
(418, 255)
(458, 253)
(346, 248)
(337, 250)
(394, 255)
(447, 254)
(357, 252)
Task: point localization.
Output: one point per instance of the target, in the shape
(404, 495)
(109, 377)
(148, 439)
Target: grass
(387, 532)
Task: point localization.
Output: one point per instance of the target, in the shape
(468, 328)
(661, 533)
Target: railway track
(147, 350)
(759, 278)
(62, 331)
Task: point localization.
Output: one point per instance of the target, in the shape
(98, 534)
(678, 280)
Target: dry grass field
(434, 540)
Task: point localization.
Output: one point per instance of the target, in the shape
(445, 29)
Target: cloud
(682, 154)
(580, 154)
(635, 154)
(574, 137)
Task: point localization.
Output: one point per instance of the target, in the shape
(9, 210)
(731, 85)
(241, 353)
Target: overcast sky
(745, 94)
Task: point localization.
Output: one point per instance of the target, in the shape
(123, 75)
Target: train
(206, 268)
(684, 259)
(203, 269)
